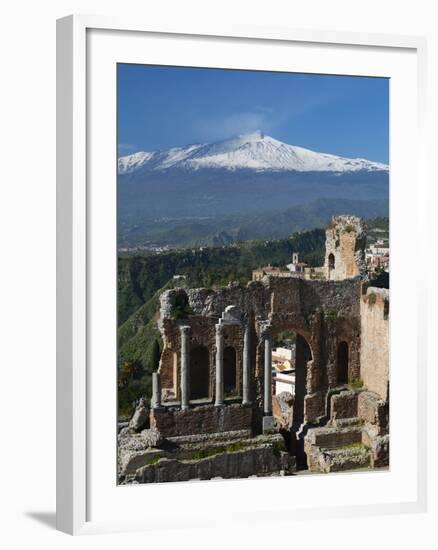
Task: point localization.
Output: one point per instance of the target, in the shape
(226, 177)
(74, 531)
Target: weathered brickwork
(261, 461)
(323, 313)
(344, 405)
(374, 354)
(345, 243)
(201, 419)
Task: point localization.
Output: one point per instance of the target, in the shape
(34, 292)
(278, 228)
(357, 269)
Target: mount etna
(246, 187)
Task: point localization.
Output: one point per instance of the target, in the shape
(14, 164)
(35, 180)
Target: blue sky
(163, 107)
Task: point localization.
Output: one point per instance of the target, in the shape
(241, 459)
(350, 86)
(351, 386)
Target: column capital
(185, 330)
(265, 329)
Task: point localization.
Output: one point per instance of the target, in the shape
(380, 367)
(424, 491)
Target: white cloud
(126, 148)
(235, 123)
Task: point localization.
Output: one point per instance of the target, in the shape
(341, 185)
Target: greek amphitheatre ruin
(213, 413)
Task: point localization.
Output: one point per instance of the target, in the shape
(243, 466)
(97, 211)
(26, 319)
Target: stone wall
(272, 296)
(347, 334)
(262, 461)
(344, 405)
(172, 421)
(345, 244)
(324, 313)
(374, 354)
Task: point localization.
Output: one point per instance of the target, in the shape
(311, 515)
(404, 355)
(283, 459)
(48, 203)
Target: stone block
(131, 461)
(329, 437)
(260, 461)
(380, 452)
(314, 407)
(201, 419)
(268, 424)
(343, 405)
(373, 410)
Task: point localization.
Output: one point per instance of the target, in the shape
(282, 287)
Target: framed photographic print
(232, 274)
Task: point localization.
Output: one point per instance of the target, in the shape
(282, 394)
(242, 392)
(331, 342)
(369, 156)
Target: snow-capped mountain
(256, 152)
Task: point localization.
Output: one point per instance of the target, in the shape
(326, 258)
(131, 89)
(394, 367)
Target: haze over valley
(246, 187)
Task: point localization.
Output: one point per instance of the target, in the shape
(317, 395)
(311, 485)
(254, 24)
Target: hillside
(215, 193)
(270, 224)
(141, 275)
(142, 278)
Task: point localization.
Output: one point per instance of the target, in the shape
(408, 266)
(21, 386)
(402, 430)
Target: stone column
(219, 365)
(267, 398)
(185, 366)
(156, 390)
(246, 382)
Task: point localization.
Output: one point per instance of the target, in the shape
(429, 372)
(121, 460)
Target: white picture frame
(76, 212)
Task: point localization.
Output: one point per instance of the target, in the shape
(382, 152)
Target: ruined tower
(345, 246)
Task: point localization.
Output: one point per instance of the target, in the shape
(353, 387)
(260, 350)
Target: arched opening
(199, 373)
(331, 261)
(290, 355)
(303, 355)
(342, 363)
(230, 382)
(283, 362)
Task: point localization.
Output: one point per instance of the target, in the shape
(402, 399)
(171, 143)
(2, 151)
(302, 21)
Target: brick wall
(201, 419)
(374, 354)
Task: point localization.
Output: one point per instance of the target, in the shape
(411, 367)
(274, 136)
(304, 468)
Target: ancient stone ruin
(213, 413)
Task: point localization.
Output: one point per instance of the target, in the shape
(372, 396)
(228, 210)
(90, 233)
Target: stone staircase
(232, 454)
(355, 436)
(336, 448)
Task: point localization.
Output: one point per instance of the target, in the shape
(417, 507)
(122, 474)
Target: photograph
(253, 262)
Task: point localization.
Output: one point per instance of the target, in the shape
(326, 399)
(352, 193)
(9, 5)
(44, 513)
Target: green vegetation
(378, 228)
(331, 314)
(285, 335)
(154, 460)
(357, 445)
(141, 275)
(181, 308)
(234, 447)
(356, 384)
(218, 229)
(205, 453)
(140, 355)
(277, 449)
(378, 223)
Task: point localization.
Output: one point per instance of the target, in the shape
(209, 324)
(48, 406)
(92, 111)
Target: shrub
(181, 308)
(356, 384)
(154, 460)
(331, 314)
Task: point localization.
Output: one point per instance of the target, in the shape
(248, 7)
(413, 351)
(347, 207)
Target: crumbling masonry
(212, 404)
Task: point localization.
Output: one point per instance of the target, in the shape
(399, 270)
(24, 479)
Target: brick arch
(296, 324)
(303, 361)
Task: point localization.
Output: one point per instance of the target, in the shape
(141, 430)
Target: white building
(284, 381)
(296, 266)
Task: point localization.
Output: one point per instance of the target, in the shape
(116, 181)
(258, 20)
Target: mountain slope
(267, 224)
(255, 152)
